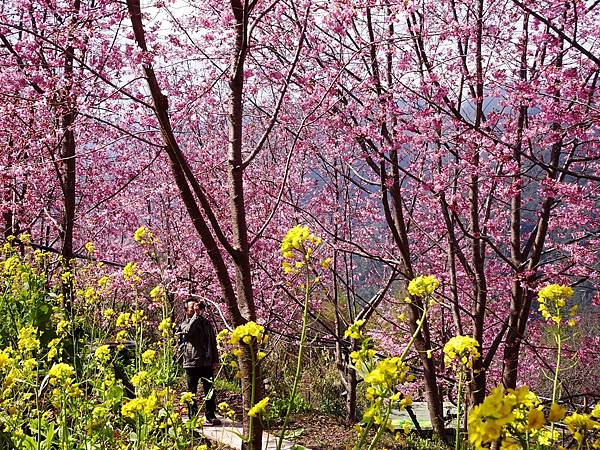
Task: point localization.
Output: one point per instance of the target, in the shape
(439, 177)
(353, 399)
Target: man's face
(199, 311)
(191, 308)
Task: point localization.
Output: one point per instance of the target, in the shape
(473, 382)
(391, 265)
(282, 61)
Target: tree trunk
(68, 162)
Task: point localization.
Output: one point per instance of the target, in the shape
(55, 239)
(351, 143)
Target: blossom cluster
(552, 300)
(516, 416)
(248, 333)
(423, 285)
(297, 247)
(462, 350)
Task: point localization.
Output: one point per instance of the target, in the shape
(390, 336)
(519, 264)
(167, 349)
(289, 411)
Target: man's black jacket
(200, 347)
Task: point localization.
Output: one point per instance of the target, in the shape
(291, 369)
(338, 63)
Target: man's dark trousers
(205, 374)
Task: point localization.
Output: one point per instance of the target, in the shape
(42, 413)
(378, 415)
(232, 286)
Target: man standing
(200, 358)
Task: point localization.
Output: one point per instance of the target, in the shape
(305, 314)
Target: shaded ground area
(319, 431)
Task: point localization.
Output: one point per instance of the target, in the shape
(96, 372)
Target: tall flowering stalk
(249, 337)
(297, 249)
(383, 376)
(459, 353)
(552, 301)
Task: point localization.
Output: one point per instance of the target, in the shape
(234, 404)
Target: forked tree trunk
(238, 295)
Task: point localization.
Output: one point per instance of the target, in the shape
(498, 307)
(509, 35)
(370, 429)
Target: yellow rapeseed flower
(148, 356)
(556, 413)
(535, 419)
(143, 236)
(259, 408)
(102, 354)
(423, 285)
(461, 349)
(186, 398)
(165, 326)
(246, 333)
(354, 331)
(5, 358)
(28, 341)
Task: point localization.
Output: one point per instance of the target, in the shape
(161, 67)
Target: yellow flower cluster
(186, 397)
(148, 356)
(89, 247)
(61, 373)
(165, 327)
(259, 408)
(102, 354)
(140, 379)
(354, 331)
(585, 427)
(89, 295)
(226, 410)
(158, 294)
(5, 358)
(222, 335)
(461, 349)
(248, 333)
(511, 416)
(124, 320)
(300, 243)
(361, 358)
(98, 418)
(131, 272)
(552, 299)
(381, 389)
(423, 285)
(143, 236)
(28, 341)
(385, 377)
(142, 406)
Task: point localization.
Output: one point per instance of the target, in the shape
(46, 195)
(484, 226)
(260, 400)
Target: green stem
(252, 397)
(300, 355)
(63, 418)
(558, 339)
(363, 435)
(381, 428)
(458, 412)
(416, 333)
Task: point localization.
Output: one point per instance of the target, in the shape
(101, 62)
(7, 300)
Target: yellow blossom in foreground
(129, 271)
(140, 406)
(61, 372)
(423, 285)
(4, 358)
(299, 239)
(186, 397)
(552, 299)
(505, 415)
(165, 326)
(140, 378)
(354, 331)
(462, 349)
(148, 356)
(246, 333)
(556, 413)
(124, 319)
(535, 419)
(143, 236)
(157, 293)
(28, 340)
(259, 408)
(102, 354)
